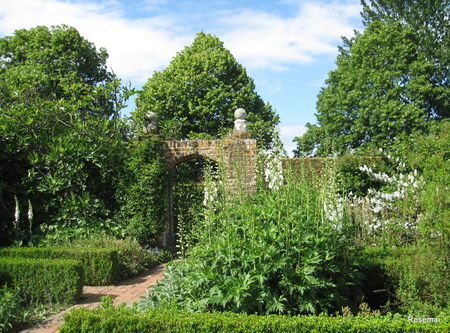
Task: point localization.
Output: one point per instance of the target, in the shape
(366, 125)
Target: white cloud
(288, 133)
(263, 39)
(136, 47)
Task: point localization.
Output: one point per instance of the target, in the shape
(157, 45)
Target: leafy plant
(132, 257)
(62, 142)
(114, 319)
(144, 195)
(11, 309)
(273, 252)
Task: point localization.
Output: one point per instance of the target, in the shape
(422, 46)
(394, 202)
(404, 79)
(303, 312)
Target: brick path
(128, 291)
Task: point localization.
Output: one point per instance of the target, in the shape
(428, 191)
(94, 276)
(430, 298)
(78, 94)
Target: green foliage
(62, 143)
(351, 179)
(429, 19)
(411, 280)
(188, 195)
(421, 279)
(45, 280)
(196, 95)
(273, 252)
(11, 309)
(132, 257)
(121, 319)
(430, 155)
(101, 266)
(144, 192)
(385, 87)
(378, 284)
(15, 314)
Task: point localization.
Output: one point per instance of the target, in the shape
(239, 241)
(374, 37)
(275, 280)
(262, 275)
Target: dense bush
(420, 276)
(11, 309)
(351, 179)
(430, 155)
(410, 280)
(101, 266)
(45, 280)
(132, 257)
(144, 192)
(272, 252)
(109, 319)
(188, 195)
(62, 141)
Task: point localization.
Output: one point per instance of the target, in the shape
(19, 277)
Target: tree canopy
(61, 138)
(387, 84)
(196, 95)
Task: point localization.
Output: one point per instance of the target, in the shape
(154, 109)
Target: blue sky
(287, 46)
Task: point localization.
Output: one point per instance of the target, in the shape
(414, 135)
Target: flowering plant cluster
(334, 208)
(395, 207)
(273, 166)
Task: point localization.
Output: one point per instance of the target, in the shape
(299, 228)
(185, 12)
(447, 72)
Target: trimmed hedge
(128, 320)
(101, 266)
(44, 280)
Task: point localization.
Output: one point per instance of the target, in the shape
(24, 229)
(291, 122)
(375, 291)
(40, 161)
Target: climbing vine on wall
(144, 192)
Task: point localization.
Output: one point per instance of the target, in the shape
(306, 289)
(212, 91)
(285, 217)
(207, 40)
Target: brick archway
(236, 154)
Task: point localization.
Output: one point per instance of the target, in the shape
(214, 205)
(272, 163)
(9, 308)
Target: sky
(287, 46)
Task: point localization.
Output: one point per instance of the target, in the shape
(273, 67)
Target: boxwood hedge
(44, 280)
(126, 320)
(101, 266)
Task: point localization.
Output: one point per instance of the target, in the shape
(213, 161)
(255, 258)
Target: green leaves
(62, 140)
(144, 192)
(387, 85)
(268, 253)
(196, 95)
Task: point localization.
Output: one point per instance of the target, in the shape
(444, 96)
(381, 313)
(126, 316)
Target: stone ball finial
(240, 124)
(240, 113)
(151, 116)
(151, 119)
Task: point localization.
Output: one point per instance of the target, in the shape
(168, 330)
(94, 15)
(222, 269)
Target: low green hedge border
(101, 266)
(44, 280)
(126, 320)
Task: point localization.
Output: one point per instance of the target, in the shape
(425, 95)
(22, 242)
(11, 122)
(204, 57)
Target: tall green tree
(61, 138)
(196, 95)
(385, 87)
(430, 21)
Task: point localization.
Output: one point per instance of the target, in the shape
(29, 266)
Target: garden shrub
(378, 287)
(411, 280)
(420, 276)
(121, 319)
(101, 266)
(144, 192)
(350, 177)
(11, 309)
(271, 252)
(132, 257)
(45, 280)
